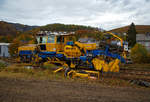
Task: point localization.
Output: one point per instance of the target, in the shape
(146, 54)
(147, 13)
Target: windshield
(41, 39)
(38, 39)
(51, 39)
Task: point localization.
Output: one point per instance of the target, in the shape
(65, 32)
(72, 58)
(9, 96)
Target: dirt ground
(36, 90)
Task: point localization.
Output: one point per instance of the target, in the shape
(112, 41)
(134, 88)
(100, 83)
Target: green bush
(2, 65)
(139, 54)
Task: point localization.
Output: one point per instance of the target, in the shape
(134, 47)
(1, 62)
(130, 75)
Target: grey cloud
(2, 2)
(147, 0)
(105, 13)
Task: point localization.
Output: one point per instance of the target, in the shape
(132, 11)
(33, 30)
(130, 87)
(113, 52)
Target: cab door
(60, 43)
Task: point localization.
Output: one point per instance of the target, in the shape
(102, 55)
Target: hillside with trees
(141, 29)
(7, 29)
(7, 32)
(67, 28)
(22, 27)
(10, 32)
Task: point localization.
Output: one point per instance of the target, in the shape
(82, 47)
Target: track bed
(35, 90)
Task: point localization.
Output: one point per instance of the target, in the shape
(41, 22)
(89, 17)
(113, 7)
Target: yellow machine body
(30, 47)
(65, 50)
(72, 51)
(78, 49)
(86, 46)
(84, 74)
(112, 66)
(54, 43)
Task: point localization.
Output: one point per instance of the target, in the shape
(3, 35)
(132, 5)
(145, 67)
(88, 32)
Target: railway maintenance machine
(76, 58)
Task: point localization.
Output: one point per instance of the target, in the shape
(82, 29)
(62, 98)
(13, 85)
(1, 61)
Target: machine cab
(53, 41)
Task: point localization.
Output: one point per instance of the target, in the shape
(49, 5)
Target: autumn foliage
(13, 48)
(139, 54)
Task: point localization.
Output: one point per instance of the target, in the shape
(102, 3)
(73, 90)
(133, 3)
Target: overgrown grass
(2, 65)
(45, 72)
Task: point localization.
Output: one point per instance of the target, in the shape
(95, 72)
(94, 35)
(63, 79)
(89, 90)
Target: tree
(13, 48)
(131, 35)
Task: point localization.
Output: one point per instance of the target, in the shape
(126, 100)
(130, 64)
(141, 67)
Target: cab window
(60, 39)
(38, 39)
(51, 39)
(41, 39)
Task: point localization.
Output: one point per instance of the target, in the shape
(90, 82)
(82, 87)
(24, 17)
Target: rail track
(134, 74)
(142, 72)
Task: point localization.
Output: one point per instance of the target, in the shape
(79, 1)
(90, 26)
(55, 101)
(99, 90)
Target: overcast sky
(107, 14)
